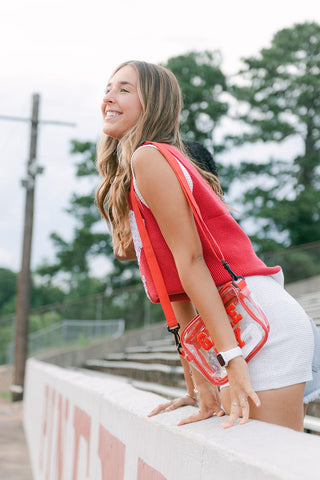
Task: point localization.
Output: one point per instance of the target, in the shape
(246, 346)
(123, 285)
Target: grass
(6, 395)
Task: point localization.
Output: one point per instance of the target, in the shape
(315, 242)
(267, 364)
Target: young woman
(142, 103)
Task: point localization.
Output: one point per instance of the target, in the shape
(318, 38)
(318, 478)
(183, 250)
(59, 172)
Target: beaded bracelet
(190, 396)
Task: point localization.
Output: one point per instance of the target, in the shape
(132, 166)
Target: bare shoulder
(156, 180)
(148, 161)
(146, 154)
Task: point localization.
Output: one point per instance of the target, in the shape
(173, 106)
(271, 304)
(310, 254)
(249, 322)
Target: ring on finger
(234, 404)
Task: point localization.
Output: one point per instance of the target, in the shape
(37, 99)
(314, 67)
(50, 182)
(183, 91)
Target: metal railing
(129, 303)
(70, 333)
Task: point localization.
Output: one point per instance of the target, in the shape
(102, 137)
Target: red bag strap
(172, 160)
(156, 274)
(153, 264)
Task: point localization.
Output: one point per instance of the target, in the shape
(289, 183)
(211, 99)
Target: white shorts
(286, 357)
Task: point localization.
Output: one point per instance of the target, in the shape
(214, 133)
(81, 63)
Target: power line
(44, 122)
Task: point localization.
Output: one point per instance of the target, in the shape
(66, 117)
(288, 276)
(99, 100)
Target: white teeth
(112, 114)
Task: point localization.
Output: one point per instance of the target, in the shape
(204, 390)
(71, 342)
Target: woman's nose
(108, 97)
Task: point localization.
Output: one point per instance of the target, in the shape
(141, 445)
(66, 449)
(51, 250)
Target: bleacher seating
(311, 303)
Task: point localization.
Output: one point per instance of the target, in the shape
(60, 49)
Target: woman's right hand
(210, 403)
(174, 404)
(241, 392)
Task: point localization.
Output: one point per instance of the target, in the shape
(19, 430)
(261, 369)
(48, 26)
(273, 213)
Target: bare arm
(162, 192)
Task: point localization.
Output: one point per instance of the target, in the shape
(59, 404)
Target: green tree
(73, 258)
(40, 294)
(202, 84)
(279, 99)
(8, 286)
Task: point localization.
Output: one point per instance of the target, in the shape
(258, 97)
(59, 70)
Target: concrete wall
(79, 426)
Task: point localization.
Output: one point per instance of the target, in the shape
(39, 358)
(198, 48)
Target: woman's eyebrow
(123, 82)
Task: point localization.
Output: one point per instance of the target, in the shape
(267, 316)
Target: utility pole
(24, 278)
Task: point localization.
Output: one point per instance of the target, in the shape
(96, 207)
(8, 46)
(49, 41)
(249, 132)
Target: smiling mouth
(110, 115)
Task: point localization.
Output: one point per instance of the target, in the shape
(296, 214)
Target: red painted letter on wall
(112, 455)
(63, 405)
(82, 428)
(47, 431)
(145, 472)
(44, 429)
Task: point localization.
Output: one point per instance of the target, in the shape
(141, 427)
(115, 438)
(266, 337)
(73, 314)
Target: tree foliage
(202, 84)
(8, 286)
(279, 99)
(40, 294)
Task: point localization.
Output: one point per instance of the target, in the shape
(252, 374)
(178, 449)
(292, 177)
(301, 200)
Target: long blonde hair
(161, 102)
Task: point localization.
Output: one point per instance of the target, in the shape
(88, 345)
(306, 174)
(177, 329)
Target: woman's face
(121, 107)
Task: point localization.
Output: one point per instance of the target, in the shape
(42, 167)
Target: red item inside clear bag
(249, 324)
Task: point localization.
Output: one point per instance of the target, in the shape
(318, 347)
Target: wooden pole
(24, 278)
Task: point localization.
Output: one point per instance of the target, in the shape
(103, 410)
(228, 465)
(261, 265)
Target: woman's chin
(110, 133)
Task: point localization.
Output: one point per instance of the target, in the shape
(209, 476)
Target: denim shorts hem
(311, 397)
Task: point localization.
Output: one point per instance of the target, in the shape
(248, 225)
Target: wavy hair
(161, 102)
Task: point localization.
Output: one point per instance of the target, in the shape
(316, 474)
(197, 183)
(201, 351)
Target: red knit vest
(233, 242)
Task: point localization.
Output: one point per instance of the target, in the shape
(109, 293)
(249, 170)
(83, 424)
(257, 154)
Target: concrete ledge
(82, 427)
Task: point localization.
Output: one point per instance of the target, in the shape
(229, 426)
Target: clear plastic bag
(249, 324)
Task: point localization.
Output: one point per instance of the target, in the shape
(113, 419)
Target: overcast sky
(65, 50)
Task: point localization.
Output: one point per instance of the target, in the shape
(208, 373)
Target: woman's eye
(124, 90)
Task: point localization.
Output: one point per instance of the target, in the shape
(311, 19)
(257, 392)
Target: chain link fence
(97, 316)
(69, 333)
